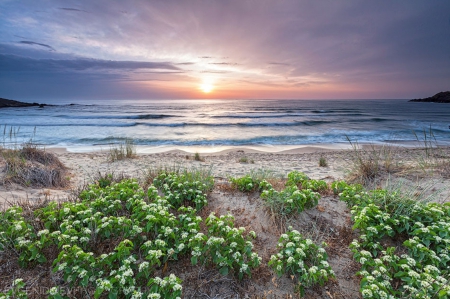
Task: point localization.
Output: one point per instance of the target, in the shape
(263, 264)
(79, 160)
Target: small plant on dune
(245, 159)
(245, 183)
(301, 258)
(296, 178)
(433, 158)
(225, 246)
(323, 162)
(29, 165)
(122, 150)
(290, 200)
(420, 268)
(197, 157)
(180, 188)
(16, 291)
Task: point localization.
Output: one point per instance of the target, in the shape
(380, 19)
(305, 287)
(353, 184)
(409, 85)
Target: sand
(330, 221)
(84, 167)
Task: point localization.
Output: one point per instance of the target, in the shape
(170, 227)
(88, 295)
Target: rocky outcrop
(5, 103)
(441, 97)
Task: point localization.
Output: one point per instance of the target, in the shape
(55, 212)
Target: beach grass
(30, 165)
(122, 150)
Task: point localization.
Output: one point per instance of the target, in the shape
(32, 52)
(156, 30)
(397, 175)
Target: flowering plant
(302, 258)
(225, 246)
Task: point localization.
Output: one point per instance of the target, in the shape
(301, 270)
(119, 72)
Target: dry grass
(323, 162)
(32, 166)
(373, 162)
(123, 150)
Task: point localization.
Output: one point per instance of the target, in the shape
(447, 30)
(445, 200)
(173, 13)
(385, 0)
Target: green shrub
(421, 272)
(225, 246)
(296, 178)
(301, 258)
(245, 183)
(181, 188)
(290, 200)
(323, 162)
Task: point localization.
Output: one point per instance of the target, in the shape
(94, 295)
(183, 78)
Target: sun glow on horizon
(207, 86)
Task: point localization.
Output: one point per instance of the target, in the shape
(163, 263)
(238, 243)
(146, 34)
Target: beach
(85, 167)
(329, 221)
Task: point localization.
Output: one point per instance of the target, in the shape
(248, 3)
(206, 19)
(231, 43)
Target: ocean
(218, 123)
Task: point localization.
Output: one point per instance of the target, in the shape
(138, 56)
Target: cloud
(351, 45)
(12, 63)
(223, 63)
(279, 63)
(27, 42)
(71, 9)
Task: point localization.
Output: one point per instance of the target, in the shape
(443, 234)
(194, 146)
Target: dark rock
(441, 97)
(5, 103)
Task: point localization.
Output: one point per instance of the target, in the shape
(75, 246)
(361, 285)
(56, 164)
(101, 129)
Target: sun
(206, 87)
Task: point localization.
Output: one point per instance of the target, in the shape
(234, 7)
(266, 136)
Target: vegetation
(245, 159)
(29, 165)
(323, 162)
(117, 239)
(302, 259)
(419, 267)
(197, 157)
(122, 150)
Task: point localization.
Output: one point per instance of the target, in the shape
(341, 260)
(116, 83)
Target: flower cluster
(181, 188)
(245, 184)
(423, 271)
(291, 199)
(225, 246)
(301, 258)
(16, 291)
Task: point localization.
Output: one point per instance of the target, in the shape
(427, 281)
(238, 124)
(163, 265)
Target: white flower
(42, 232)
(53, 291)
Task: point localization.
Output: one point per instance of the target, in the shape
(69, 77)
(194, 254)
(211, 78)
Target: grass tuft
(30, 165)
(123, 150)
(323, 162)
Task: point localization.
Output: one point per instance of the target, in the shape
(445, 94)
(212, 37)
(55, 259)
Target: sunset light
(207, 86)
(165, 124)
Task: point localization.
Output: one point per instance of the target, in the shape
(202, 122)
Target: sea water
(227, 122)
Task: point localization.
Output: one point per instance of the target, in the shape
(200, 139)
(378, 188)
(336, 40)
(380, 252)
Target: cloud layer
(247, 49)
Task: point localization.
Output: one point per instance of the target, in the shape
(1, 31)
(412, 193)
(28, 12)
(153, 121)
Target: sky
(237, 49)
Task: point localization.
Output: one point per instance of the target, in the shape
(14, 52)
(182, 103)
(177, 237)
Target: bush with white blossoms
(165, 288)
(301, 258)
(225, 246)
(296, 178)
(291, 199)
(16, 290)
(19, 235)
(421, 272)
(183, 188)
(245, 184)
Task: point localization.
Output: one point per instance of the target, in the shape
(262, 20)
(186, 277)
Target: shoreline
(85, 167)
(223, 149)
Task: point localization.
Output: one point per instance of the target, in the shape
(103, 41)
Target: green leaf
(194, 260)
(223, 271)
(98, 292)
(112, 294)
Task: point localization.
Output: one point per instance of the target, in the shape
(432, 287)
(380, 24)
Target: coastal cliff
(441, 97)
(5, 103)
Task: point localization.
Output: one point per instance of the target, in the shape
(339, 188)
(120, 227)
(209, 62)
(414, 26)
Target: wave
(79, 125)
(257, 116)
(139, 116)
